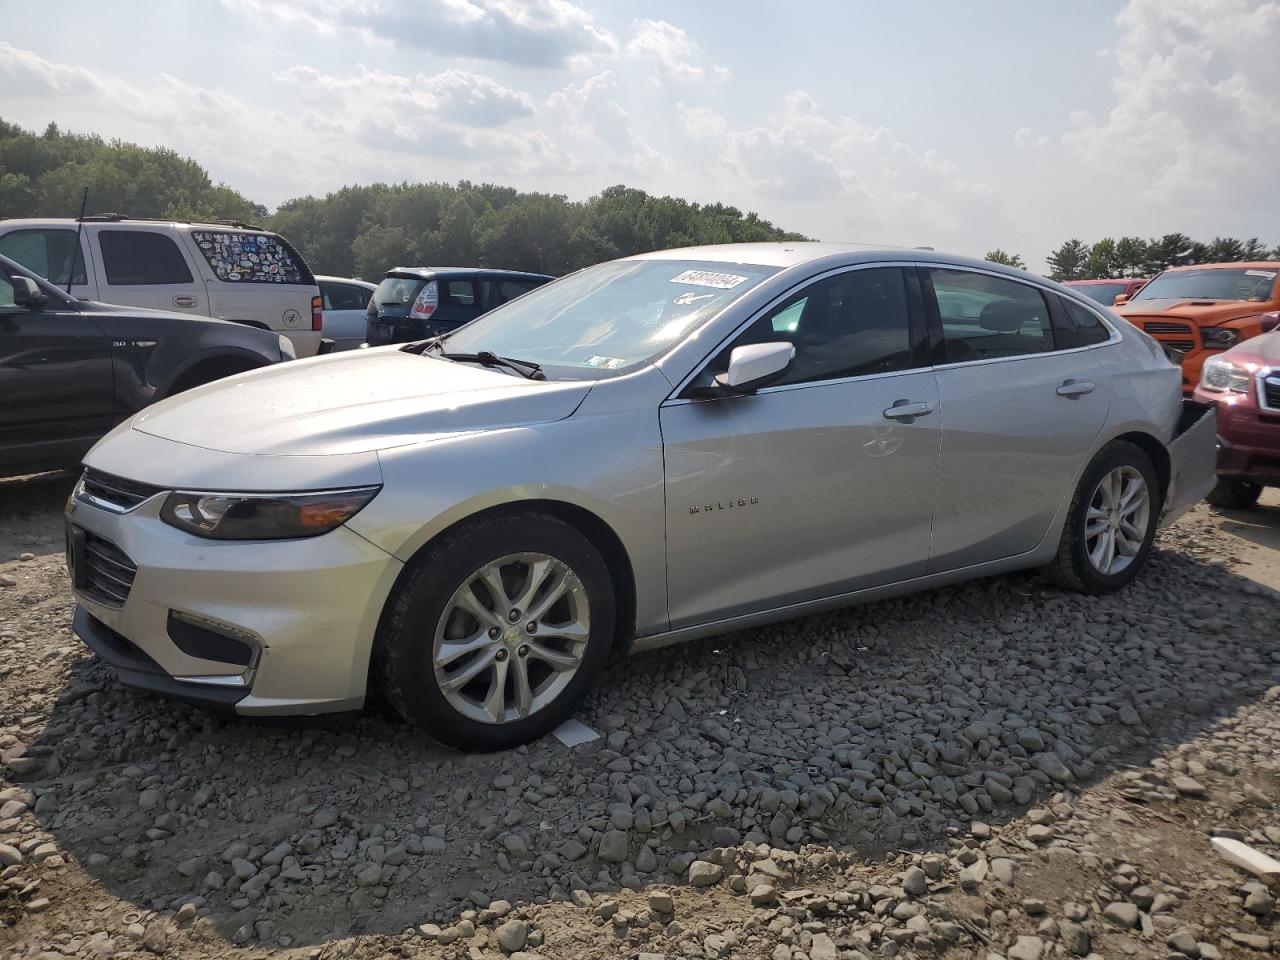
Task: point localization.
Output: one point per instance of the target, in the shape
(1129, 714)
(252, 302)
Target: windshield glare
(397, 290)
(1218, 283)
(609, 318)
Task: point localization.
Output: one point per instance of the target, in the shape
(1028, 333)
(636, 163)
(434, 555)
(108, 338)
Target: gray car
(663, 447)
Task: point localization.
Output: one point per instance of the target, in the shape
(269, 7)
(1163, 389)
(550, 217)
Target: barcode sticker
(705, 278)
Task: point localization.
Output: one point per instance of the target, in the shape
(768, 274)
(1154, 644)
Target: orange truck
(1205, 309)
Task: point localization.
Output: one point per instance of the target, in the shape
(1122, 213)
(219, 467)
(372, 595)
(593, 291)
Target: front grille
(108, 571)
(1180, 336)
(114, 492)
(1271, 393)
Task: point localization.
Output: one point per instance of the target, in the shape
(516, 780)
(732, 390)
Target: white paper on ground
(1245, 857)
(573, 734)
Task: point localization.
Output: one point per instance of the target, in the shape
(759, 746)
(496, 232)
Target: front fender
(174, 375)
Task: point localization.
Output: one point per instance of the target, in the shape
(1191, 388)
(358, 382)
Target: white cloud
(673, 52)
(589, 115)
(701, 123)
(531, 33)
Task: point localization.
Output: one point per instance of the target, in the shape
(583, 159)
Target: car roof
(357, 282)
(823, 254)
(428, 273)
(1231, 265)
(1086, 283)
(120, 219)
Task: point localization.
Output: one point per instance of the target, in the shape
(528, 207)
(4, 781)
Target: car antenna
(78, 255)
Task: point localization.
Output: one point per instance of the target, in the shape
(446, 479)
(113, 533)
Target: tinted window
(984, 317)
(461, 293)
(1103, 293)
(499, 291)
(6, 292)
(46, 252)
(1074, 326)
(247, 257)
(344, 296)
(137, 257)
(849, 325)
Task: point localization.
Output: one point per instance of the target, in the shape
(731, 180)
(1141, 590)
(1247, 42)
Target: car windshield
(606, 319)
(1103, 293)
(1218, 283)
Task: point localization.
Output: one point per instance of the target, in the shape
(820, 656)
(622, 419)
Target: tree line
(365, 230)
(1136, 257)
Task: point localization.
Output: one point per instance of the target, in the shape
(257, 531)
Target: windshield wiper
(526, 368)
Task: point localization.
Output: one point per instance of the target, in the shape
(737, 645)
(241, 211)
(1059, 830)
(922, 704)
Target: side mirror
(27, 293)
(756, 365)
(1270, 320)
(1120, 298)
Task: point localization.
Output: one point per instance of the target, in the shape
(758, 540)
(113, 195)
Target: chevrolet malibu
(668, 446)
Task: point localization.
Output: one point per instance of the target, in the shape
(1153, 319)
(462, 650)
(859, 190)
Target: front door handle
(906, 410)
(1075, 388)
(184, 301)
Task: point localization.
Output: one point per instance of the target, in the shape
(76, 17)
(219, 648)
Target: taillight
(317, 314)
(424, 305)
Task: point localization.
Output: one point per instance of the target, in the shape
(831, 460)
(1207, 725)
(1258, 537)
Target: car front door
(56, 253)
(821, 483)
(1021, 413)
(56, 383)
(146, 267)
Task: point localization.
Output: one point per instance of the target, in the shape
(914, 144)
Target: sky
(1015, 124)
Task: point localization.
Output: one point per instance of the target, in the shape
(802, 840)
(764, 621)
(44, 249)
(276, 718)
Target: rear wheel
(1231, 494)
(1110, 524)
(497, 632)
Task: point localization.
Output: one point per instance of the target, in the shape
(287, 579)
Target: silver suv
(659, 448)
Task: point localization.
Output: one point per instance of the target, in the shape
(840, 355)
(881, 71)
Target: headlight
(1221, 374)
(286, 349)
(1219, 338)
(263, 516)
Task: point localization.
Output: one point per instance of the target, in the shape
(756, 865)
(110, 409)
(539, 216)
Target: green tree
(1069, 260)
(1131, 256)
(1008, 259)
(1225, 250)
(1104, 260)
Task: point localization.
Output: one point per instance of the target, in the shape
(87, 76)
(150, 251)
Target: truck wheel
(1229, 494)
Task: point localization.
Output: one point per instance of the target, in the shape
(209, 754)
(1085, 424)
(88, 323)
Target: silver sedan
(663, 447)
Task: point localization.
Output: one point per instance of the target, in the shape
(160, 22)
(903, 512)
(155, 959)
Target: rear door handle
(906, 410)
(184, 301)
(1075, 388)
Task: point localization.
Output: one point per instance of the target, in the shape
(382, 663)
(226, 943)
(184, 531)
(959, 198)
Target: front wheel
(1230, 494)
(496, 633)
(1110, 524)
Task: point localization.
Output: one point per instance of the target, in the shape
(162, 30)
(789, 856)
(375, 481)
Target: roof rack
(117, 217)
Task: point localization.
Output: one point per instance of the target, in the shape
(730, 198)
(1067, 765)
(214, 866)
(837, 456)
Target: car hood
(1204, 313)
(355, 403)
(1263, 350)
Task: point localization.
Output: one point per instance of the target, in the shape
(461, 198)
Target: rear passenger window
(1076, 326)
(46, 252)
(498, 292)
(141, 257)
(460, 292)
(344, 296)
(986, 317)
(244, 257)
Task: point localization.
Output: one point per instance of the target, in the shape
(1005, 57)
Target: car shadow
(728, 739)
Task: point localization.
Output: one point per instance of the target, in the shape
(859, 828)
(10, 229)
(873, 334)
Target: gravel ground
(998, 769)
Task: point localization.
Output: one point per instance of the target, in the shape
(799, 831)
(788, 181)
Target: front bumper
(296, 618)
(1248, 439)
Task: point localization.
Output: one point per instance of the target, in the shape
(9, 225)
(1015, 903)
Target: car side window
(343, 296)
(852, 324)
(985, 317)
(141, 258)
(1074, 326)
(48, 252)
(499, 291)
(461, 293)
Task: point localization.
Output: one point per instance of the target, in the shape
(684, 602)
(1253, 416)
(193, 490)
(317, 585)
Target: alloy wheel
(511, 637)
(1117, 520)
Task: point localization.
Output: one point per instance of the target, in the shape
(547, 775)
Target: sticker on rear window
(1269, 274)
(705, 278)
(607, 363)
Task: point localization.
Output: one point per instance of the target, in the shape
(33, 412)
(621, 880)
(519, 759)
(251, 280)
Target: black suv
(412, 303)
(70, 369)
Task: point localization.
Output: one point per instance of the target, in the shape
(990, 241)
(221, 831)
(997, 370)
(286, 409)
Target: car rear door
(56, 384)
(459, 300)
(144, 265)
(820, 484)
(1021, 412)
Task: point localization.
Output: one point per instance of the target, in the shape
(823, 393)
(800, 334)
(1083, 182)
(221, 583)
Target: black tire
(1229, 494)
(1071, 567)
(403, 656)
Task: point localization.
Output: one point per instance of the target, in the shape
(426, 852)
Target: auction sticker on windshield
(705, 278)
(1269, 274)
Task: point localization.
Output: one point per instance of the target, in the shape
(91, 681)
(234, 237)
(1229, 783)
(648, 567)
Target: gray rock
(704, 874)
(1122, 914)
(1026, 948)
(915, 882)
(614, 847)
(1074, 937)
(512, 935)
